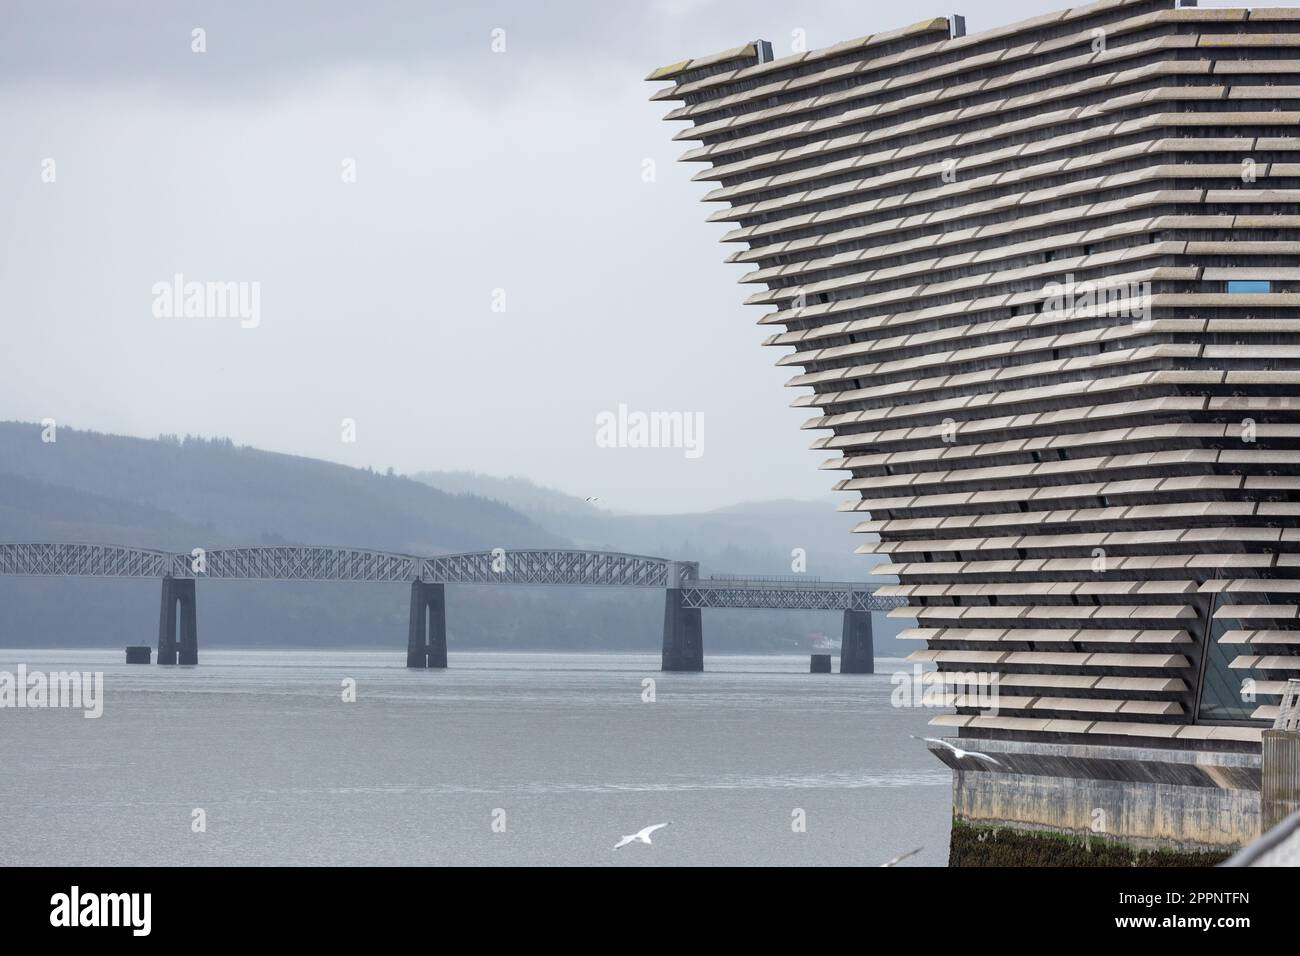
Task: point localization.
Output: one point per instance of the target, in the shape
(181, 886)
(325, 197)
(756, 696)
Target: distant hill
(750, 538)
(36, 511)
(257, 496)
(179, 493)
(521, 494)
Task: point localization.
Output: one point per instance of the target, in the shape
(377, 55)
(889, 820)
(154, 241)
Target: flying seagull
(641, 835)
(957, 751)
(903, 856)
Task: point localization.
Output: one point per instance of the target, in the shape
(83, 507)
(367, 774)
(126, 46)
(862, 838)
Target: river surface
(503, 759)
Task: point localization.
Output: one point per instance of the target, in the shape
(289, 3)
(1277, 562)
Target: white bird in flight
(903, 856)
(957, 751)
(642, 836)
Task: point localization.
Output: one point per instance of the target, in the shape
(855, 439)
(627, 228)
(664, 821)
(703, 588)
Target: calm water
(412, 772)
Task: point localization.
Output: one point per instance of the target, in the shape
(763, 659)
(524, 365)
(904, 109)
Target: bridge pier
(857, 652)
(178, 592)
(426, 644)
(683, 634)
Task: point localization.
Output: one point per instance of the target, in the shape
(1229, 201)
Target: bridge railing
(765, 578)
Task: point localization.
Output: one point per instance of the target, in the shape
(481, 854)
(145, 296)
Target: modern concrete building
(1042, 284)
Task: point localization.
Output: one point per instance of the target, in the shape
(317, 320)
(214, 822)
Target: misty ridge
(176, 493)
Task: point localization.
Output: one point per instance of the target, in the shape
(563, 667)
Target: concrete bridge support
(683, 635)
(857, 652)
(426, 644)
(178, 593)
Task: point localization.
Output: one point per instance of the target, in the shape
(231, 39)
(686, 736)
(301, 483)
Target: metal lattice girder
(524, 567)
(870, 601)
(558, 566)
(85, 560)
(827, 596)
(294, 563)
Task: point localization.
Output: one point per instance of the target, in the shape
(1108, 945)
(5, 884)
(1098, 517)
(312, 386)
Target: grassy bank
(989, 846)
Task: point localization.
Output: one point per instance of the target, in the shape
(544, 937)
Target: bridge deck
(536, 566)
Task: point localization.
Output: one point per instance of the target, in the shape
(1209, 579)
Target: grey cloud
(476, 171)
(253, 45)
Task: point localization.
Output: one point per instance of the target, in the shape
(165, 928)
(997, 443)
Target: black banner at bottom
(304, 905)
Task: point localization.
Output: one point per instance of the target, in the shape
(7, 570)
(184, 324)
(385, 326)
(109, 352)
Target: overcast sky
(475, 171)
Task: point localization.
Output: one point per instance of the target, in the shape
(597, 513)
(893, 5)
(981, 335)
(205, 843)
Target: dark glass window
(1227, 692)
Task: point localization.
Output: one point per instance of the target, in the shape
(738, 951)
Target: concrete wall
(1141, 815)
(1145, 799)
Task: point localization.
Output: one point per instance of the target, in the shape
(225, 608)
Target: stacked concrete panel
(1041, 284)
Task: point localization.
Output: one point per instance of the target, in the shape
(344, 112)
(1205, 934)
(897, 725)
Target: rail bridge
(686, 593)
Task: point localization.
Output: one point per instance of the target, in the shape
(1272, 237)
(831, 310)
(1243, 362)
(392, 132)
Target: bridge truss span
(785, 595)
(558, 566)
(299, 563)
(87, 560)
(537, 566)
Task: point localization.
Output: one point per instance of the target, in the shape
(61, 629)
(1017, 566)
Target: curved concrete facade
(1041, 284)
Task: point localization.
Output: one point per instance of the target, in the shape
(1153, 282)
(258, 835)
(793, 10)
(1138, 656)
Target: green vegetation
(973, 845)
